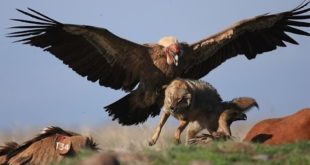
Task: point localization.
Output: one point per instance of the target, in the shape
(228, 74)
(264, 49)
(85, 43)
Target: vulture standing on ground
(99, 55)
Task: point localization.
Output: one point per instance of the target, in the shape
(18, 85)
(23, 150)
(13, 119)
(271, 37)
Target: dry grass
(114, 137)
(128, 139)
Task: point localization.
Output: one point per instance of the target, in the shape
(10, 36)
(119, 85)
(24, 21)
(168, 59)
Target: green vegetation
(224, 153)
(232, 153)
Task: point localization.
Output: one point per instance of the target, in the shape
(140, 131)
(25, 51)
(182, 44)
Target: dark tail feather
(8, 147)
(131, 109)
(241, 104)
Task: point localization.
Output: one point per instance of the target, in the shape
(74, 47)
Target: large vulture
(99, 55)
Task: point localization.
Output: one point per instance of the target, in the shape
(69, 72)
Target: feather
(296, 23)
(296, 31)
(299, 17)
(36, 17)
(48, 18)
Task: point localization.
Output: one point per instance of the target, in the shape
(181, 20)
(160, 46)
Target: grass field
(129, 144)
(223, 153)
(220, 153)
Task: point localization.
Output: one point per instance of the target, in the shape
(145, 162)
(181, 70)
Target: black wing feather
(248, 37)
(74, 50)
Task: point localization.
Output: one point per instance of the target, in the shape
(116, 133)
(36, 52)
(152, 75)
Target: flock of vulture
(163, 75)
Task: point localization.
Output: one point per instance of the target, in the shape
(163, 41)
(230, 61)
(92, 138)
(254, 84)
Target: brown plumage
(287, 129)
(7, 149)
(52, 145)
(197, 104)
(99, 55)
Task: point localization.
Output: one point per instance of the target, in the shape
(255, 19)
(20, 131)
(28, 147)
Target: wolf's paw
(152, 142)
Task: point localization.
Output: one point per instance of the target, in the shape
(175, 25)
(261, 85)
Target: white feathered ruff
(167, 41)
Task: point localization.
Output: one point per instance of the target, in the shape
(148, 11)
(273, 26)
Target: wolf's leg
(193, 129)
(163, 120)
(179, 130)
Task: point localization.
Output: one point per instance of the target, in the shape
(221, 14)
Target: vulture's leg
(155, 136)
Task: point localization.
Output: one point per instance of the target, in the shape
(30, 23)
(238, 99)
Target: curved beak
(242, 116)
(173, 58)
(176, 59)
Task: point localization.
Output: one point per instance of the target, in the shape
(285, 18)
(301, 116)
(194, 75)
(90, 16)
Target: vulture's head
(172, 49)
(231, 115)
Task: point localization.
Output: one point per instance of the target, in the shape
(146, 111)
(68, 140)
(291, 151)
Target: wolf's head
(177, 96)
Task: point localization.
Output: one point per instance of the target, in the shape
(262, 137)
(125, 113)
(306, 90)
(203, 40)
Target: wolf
(197, 103)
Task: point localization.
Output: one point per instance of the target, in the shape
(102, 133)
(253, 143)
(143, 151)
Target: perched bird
(142, 69)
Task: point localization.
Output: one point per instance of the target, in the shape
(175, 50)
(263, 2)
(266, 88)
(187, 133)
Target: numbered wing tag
(62, 144)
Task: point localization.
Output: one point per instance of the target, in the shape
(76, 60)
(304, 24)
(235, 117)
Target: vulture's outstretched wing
(248, 37)
(90, 51)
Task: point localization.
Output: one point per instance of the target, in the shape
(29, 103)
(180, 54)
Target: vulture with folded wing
(99, 55)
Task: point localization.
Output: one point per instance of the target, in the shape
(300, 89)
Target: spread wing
(248, 37)
(92, 52)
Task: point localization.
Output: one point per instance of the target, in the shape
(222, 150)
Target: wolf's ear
(188, 97)
(62, 144)
(164, 87)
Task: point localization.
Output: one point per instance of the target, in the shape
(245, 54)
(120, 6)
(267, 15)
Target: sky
(38, 90)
